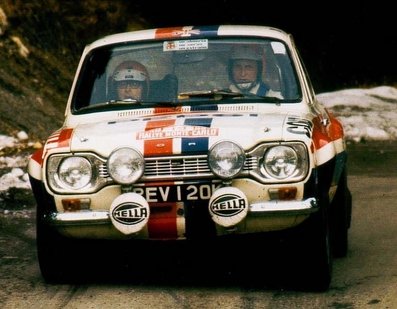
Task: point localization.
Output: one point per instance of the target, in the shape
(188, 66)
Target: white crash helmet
(132, 71)
(246, 52)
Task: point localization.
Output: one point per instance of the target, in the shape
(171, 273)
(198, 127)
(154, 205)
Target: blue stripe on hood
(196, 144)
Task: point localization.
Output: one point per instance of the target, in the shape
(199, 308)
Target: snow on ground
(366, 114)
(15, 165)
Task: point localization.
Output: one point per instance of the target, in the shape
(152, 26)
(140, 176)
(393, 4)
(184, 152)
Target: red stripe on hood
(158, 146)
(168, 110)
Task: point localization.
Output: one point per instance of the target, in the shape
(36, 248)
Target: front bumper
(279, 208)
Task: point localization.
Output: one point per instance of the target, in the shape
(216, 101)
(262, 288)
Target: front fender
(35, 164)
(44, 201)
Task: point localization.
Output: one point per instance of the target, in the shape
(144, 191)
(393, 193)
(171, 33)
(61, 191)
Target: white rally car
(199, 153)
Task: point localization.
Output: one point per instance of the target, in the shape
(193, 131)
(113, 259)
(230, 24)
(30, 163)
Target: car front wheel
(341, 209)
(315, 261)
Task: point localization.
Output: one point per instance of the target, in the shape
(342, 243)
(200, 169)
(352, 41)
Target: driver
(245, 72)
(131, 81)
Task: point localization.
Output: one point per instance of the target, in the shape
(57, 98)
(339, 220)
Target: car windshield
(186, 72)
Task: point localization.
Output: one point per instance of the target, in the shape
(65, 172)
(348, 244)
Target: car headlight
(226, 159)
(281, 162)
(125, 165)
(78, 173)
(74, 172)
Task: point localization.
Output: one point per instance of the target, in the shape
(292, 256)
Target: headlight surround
(125, 165)
(78, 173)
(74, 172)
(282, 162)
(226, 159)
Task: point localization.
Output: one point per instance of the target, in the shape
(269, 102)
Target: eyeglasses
(129, 83)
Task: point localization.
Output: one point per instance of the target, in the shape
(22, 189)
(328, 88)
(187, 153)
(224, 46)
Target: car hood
(187, 133)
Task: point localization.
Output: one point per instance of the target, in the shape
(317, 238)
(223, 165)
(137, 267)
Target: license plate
(177, 193)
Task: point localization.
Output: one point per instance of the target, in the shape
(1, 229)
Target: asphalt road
(366, 278)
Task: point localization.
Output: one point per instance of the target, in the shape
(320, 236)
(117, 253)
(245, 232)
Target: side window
(91, 84)
(287, 78)
(271, 71)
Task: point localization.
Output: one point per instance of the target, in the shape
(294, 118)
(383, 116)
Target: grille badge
(176, 162)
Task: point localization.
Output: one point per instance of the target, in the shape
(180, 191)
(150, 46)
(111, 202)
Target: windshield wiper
(225, 93)
(263, 98)
(215, 94)
(111, 103)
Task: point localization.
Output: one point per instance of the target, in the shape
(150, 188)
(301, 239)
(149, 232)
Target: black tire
(341, 210)
(51, 254)
(58, 256)
(315, 260)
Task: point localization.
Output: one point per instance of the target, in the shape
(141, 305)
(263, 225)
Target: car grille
(182, 167)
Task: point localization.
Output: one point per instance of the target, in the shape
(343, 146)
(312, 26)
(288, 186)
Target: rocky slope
(40, 45)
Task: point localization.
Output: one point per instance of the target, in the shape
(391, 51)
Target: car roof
(191, 32)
